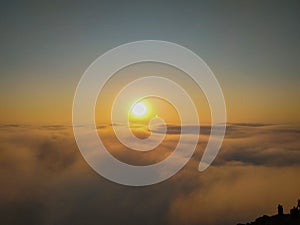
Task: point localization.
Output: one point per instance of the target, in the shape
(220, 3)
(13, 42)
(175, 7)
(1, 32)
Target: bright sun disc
(139, 109)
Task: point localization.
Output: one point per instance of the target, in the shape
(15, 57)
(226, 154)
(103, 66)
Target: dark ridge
(251, 124)
(280, 219)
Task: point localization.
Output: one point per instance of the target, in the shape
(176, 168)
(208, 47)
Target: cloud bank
(45, 180)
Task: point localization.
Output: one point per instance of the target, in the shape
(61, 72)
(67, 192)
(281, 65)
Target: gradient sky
(251, 46)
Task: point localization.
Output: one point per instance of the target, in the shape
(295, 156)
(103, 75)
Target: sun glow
(139, 109)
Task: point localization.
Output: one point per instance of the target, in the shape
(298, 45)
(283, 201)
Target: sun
(139, 109)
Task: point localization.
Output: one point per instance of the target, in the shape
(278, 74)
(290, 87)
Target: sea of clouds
(45, 180)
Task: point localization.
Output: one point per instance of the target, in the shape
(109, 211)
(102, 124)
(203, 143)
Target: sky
(253, 49)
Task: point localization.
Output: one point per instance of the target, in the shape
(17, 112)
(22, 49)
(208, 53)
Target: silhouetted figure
(298, 206)
(280, 210)
(294, 212)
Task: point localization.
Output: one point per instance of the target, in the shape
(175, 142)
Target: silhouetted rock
(294, 212)
(280, 219)
(280, 210)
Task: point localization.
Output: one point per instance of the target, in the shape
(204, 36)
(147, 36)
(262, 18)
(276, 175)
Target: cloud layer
(45, 180)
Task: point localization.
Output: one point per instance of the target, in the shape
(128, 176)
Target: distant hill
(280, 219)
(275, 220)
